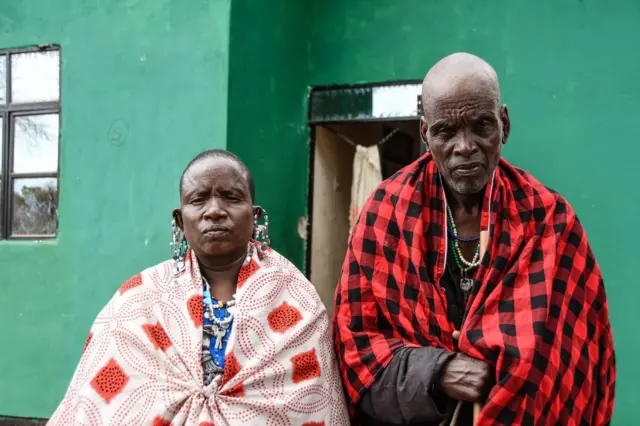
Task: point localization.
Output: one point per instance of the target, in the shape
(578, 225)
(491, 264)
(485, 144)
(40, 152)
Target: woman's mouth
(216, 231)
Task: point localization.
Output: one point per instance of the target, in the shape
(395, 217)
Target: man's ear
(177, 215)
(506, 123)
(424, 128)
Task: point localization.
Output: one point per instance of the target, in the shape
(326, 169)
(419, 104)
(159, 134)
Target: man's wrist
(443, 359)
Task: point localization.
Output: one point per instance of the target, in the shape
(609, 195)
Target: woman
(228, 332)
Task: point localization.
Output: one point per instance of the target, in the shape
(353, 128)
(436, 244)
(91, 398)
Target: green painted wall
(568, 75)
(268, 78)
(162, 70)
(154, 71)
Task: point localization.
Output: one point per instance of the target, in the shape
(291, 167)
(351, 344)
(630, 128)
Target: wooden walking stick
(477, 407)
(484, 240)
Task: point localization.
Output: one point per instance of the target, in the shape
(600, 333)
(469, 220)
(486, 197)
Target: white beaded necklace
(231, 302)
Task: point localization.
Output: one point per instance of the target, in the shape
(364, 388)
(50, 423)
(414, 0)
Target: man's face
(464, 129)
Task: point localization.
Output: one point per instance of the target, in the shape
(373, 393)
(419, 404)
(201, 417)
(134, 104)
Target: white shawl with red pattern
(142, 361)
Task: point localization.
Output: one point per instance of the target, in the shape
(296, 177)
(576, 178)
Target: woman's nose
(215, 208)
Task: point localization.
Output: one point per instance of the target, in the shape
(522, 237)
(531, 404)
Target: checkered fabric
(538, 310)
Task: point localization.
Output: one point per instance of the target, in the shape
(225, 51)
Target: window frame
(8, 112)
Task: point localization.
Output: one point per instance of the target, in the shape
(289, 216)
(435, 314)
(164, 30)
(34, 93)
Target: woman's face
(216, 215)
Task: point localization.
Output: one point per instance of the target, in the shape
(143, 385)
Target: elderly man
(468, 284)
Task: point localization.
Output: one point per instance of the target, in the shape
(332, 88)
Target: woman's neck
(222, 275)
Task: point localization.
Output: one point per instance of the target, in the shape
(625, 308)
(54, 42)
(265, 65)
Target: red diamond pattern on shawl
(159, 421)
(231, 368)
(246, 271)
(132, 282)
(314, 424)
(86, 343)
(283, 318)
(196, 310)
(157, 336)
(110, 381)
(305, 366)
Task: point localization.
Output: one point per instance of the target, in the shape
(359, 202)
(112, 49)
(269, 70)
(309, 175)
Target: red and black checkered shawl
(538, 311)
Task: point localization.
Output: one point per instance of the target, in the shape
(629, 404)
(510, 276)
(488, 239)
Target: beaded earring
(178, 247)
(261, 232)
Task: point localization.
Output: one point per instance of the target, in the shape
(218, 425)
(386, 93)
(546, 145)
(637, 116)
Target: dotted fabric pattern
(283, 318)
(142, 360)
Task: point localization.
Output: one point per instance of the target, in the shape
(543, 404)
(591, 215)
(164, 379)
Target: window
(365, 102)
(29, 152)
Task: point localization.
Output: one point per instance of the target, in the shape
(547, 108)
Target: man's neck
(468, 205)
(466, 210)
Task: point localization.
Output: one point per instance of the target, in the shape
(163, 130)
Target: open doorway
(332, 149)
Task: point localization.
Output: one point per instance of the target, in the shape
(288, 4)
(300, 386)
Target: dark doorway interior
(334, 150)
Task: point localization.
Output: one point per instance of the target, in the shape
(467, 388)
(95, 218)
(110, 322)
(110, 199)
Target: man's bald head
(460, 72)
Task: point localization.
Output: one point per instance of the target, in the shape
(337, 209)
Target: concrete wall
(154, 71)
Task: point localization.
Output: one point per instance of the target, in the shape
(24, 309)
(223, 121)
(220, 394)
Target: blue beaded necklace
(462, 239)
(217, 325)
(220, 325)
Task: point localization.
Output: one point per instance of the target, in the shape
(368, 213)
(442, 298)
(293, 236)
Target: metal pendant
(466, 284)
(219, 331)
(206, 337)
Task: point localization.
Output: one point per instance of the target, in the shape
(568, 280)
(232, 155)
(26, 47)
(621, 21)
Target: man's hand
(465, 379)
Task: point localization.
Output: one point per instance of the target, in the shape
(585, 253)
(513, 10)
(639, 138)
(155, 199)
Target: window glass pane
(35, 207)
(35, 143)
(396, 101)
(3, 79)
(35, 77)
(393, 101)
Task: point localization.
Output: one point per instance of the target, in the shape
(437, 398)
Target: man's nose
(464, 144)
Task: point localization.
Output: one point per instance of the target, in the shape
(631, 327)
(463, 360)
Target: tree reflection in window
(35, 207)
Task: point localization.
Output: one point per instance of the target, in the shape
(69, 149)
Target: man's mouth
(468, 169)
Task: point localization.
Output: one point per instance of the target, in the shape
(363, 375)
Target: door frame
(312, 122)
